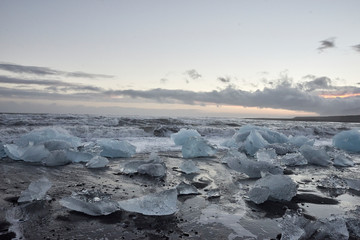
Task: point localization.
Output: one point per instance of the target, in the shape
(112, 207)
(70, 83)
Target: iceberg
(97, 162)
(189, 167)
(293, 159)
(181, 137)
(341, 160)
(92, 203)
(293, 226)
(116, 148)
(315, 156)
(157, 204)
(36, 190)
(254, 142)
(273, 187)
(348, 140)
(197, 147)
(186, 189)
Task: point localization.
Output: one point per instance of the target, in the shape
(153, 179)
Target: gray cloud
(317, 83)
(224, 79)
(43, 71)
(356, 47)
(193, 74)
(325, 44)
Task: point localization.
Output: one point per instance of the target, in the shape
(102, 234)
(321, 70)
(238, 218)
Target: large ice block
(116, 148)
(156, 204)
(181, 137)
(273, 187)
(36, 190)
(315, 156)
(197, 147)
(254, 142)
(35, 153)
(348, 140)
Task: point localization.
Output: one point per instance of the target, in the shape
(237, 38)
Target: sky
(256, 58)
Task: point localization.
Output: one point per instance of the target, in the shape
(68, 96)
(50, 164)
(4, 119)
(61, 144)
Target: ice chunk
(348, 140)
(186, 189)
(189, 167)
(282, 148)
(272, 136)
(97, 162)
(254, 142)
(273, 187)
(266, 155)
(213, 193)
(353, 184)
(2, 151)
(334, 185)
(77, 157)
(157, 204)
(92, 203)
(14, 151)
(292, 225)
(315, 156)
(57, 145)
(342, 160)
(154, 167)
(293, 159)
(253, 168)
(35, 153)
(232, 153)
(116, 149)
(197, 147)
(56, 158)
(36, 190)
(298, 141)
(43, 135)
(327, 228)
(181, 137)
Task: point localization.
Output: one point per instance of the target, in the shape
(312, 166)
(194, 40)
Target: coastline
(345, 118)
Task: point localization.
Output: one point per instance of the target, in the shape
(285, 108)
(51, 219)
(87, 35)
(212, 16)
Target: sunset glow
(339, 96)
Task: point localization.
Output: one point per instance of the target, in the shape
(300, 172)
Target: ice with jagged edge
(252, 168)
(116, 148)
(343, 160)
(348, 140)
(97, 162)
(197, 147)
(92, 203)
(186, 189)
(282, 148)
(36, 191)
(266, 155)
(293, 159)
(189, 167)
(181, 137)
(154, 166)
(299, 141)
(254, 142)
(273, 187)
(315, 156)
(156, 204)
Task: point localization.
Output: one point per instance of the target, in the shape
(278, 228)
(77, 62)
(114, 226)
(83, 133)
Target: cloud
(44, 71)
(317, 83)
(193, 74)
(325, 44)
(356, 47)
(224, 79)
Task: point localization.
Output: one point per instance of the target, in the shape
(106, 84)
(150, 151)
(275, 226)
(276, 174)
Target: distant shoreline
(347, 118)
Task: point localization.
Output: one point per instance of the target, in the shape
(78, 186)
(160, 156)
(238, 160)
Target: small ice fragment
(273, 187)
(116, 148)
(315, 156)
(266, 155)
(189, 167)
(253, 168)
(348, 140)
(152, 169)
(56, 158)
(186, 189)
(36, 190)
(197, 147)
(342, 160)
(298, 141)
(213, 193)
(157, 204)
(97, 162)
(131, 167)
(293, 159)
(91, 203)
(254, 142)
(181, 137)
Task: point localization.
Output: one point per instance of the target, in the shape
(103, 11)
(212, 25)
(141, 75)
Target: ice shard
(154, 167)
(197, 147)
(36, 190)
(266, 155)
(186, 189)
(189, 167)
(293, 159)
(116, 148)
(315, 156)
(254, 142)
(348, 140)
(97, 162)
(181, 137)
(157, 204)
(341, 160)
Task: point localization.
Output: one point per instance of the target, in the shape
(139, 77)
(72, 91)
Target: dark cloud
(356, 47)
(224, 79)
(325, 44)
(44, 71)
(193, 74)
(317, 83)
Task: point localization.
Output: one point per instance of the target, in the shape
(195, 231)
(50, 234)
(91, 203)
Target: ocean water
(230, 216)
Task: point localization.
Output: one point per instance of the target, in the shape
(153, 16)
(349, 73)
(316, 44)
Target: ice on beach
(254, 142)
(353, 184)
(273, 187)
(197, 147)
(78, 157)
(36, 190)
(282, 148)
(342, 160)
(299, 141)
(213, 193)
(189, 167)
(293, 226)
(97, 162)
(315, 156)
(57, 145)
(156, 204)
(266, 155)
(90, 202)
(252, 168)
(30, 153)
(56, 158)
(293, 159)
(116, 148)
(181, 137)
(348, 140)
(154, 167)
(186, 189)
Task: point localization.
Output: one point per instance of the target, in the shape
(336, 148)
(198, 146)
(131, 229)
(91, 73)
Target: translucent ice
(293, 159)
(253, 168)
(292, 225)
(97, 162)
(315, 156)
(77, 157)
(197, 147)
(154, 167)
(341, 160)
(186, 189)
(91, 203)
(327, 228)
(266, 155)
(157, 204)
(116, 148)
(298, 141)
(254, 142)
(36, 190)
(181, 137)
(282, 148)
(35, 153)
(189, 167)
(348, 140)
(273, 187)
(14, 151)
(56, 158)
